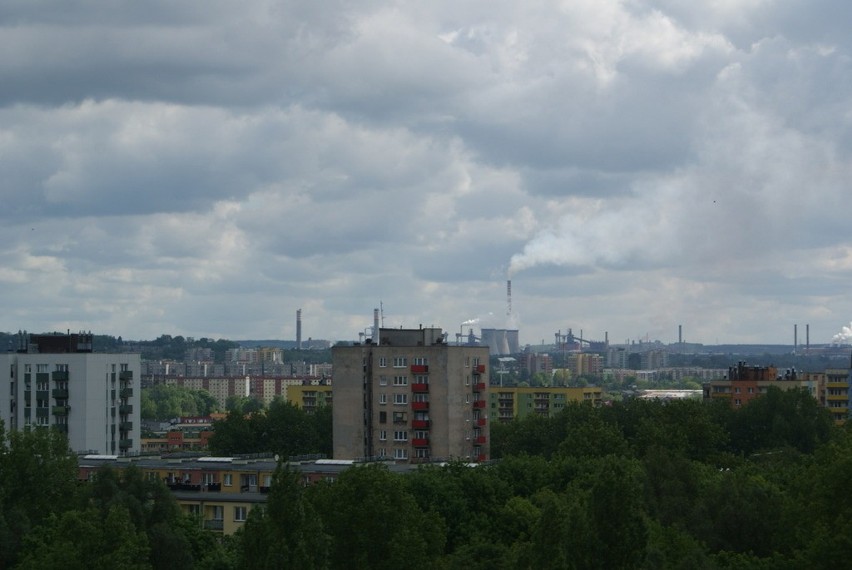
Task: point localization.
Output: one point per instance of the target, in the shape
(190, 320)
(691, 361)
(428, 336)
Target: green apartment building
(517, 402)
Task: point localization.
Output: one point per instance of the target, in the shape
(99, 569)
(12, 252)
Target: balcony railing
(481, 422)
(479, 387)
(125, 443)
(420, 442)
(125, 409)
(479, 440)
(420, 424)
(419, 369)
(125, 426)
(479, 369)
(125, 375)
(59, 375)
(420, 388)
(214, 524)
(479, 404)
(60, 410)
(126, 393)
(481, 457)
(60, 393)
(419, 406)
(63, 428)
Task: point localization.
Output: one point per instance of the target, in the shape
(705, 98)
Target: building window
(41, 368)
(400, 380)
(383, 435)
(400, 454)
(420, 361)
(383, 417)
(400, 417)
(239, 514)
(228, 479)
(400, 399)
(400, 436)
(383, 380)
(400, 361)
(382, 452)
(383, 362)
(383, 398)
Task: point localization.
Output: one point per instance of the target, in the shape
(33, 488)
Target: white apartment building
(57, 381)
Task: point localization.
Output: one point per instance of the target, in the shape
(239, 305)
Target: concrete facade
(94, 398)
(411, 398)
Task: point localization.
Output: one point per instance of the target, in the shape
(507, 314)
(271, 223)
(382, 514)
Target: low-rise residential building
(309, 397)
(219, 491)
(744, 383)
(516, 402)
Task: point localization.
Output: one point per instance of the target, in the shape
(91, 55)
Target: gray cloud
(206, 168)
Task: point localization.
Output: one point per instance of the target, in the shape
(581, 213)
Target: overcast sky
(206, 168)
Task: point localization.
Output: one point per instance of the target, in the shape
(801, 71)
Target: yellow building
(219, 491)
(517, 402)
(837, 394)
(309, 398)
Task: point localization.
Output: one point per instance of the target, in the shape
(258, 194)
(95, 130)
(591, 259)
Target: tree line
(638, 484)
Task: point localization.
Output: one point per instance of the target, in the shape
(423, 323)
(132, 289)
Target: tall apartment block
(409, 396)
(56, 380)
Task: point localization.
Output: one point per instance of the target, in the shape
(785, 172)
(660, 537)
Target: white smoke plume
(844, 336)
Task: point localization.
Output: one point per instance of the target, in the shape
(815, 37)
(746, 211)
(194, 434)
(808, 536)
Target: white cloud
(207, 168)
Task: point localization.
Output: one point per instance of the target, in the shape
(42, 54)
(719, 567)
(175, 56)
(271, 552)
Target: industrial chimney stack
(299, 329)
(376, 334)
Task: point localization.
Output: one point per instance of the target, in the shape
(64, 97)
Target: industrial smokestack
(509, 297)
(299, 329)
(680, 334)
(795, 337)
(807, 338)
(376, 326)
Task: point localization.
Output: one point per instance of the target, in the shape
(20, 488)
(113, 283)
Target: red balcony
(419, 406)
(419, 369)
(479, 387)
(479, 404)
(480, 422)
(420, 424)
(419, 388)
(420, 442)
(481, 457)
(479, 369)
(480, 440)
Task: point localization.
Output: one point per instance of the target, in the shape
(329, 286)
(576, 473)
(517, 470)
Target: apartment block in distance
(409, 396)
(517, 402)
(745, 383)
(56, 380)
